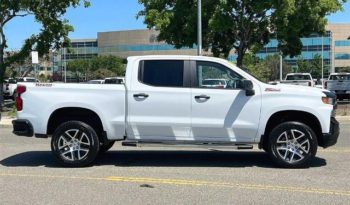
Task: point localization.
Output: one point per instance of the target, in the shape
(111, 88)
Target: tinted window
(12, 81)
(298, 77)
(213, 75)
(339, 77)
(113, 81)
(166, 73)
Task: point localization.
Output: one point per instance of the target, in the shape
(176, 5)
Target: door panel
(227, 114)
(159, 104)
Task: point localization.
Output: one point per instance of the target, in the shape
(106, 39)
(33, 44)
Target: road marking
(335, 150)
(183, 182)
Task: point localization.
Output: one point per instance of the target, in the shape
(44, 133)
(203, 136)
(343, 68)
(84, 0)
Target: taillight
(325, 85)
(7, 86)
(19, 102)
(309, 83)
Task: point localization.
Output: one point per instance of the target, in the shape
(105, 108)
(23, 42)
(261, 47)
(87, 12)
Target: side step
(206, 145)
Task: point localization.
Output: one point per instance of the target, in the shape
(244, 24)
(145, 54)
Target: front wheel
(292, 145)
(75, 144)
(105, 147)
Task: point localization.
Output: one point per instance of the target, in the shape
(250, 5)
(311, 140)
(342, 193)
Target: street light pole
(65, 65)
(199, 28)
(281, 67)
(322, 64)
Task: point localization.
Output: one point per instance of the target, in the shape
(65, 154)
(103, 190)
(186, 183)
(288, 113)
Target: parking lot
(28, 175)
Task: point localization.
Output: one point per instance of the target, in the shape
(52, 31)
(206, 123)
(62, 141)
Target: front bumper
(329, 139)
(22, 128)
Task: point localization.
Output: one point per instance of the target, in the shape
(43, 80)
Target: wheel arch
(291, 115)
(64, 114)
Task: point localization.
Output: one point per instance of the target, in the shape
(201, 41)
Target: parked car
(163, 104)
(304, 79)
(28, 79)
(115, 80)
(214, 83)
(9, 88)
(96, 82)
(340, 84)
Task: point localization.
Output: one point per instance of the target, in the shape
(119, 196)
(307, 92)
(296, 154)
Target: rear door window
(162, 73)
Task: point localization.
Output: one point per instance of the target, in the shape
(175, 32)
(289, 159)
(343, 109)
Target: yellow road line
(335, 150)
(183, 182)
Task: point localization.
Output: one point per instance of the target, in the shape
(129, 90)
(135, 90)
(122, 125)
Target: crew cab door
(159, 101)
(221, 110)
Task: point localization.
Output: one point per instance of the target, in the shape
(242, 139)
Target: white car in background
(304, 79)
(214, 83)
(340, 84)
(96, 82)
(114, 80)
(10, 86)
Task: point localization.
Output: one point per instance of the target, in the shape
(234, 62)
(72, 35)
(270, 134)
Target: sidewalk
(6, 122)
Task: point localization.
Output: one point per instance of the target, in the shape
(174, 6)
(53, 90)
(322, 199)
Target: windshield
(339, 77)
(298, 77)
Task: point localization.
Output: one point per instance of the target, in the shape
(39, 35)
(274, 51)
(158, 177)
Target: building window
(342, 56)
(342, 43)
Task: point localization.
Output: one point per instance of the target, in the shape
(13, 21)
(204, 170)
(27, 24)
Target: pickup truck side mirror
(248, 87)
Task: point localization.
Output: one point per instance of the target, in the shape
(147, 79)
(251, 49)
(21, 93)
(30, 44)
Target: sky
(105, 15)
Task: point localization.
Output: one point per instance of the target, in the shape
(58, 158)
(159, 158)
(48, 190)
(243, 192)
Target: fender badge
(272, 90)
(43, 84)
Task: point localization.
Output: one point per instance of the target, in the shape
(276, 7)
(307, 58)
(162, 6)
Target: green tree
(53, 34)
(97, 67)
(313, 66)
(241, 24)
(267, 69)
(112, 63)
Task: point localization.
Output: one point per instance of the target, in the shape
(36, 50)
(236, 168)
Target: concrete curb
(6, 122)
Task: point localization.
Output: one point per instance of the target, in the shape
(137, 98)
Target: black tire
(292, 145)
(105, 147)
(78, 140)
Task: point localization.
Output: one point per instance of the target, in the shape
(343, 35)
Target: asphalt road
(29, 175)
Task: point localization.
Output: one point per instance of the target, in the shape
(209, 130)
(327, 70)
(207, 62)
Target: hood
(294, 89)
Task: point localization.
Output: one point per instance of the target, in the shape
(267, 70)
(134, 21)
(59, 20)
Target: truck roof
(175, 57)
(298, 74)
(340, 74)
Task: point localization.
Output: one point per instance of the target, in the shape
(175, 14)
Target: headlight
(327, 100)
(330, 98)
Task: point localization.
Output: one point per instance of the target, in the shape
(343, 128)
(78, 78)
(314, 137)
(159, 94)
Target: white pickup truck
(304, 79)
(9, 88)
(340, 84)
(164, 103)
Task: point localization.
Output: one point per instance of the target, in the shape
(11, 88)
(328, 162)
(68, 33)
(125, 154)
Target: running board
(217, 145)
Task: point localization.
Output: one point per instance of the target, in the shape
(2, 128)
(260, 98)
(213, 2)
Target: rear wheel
(292, 145)
(75, 144)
